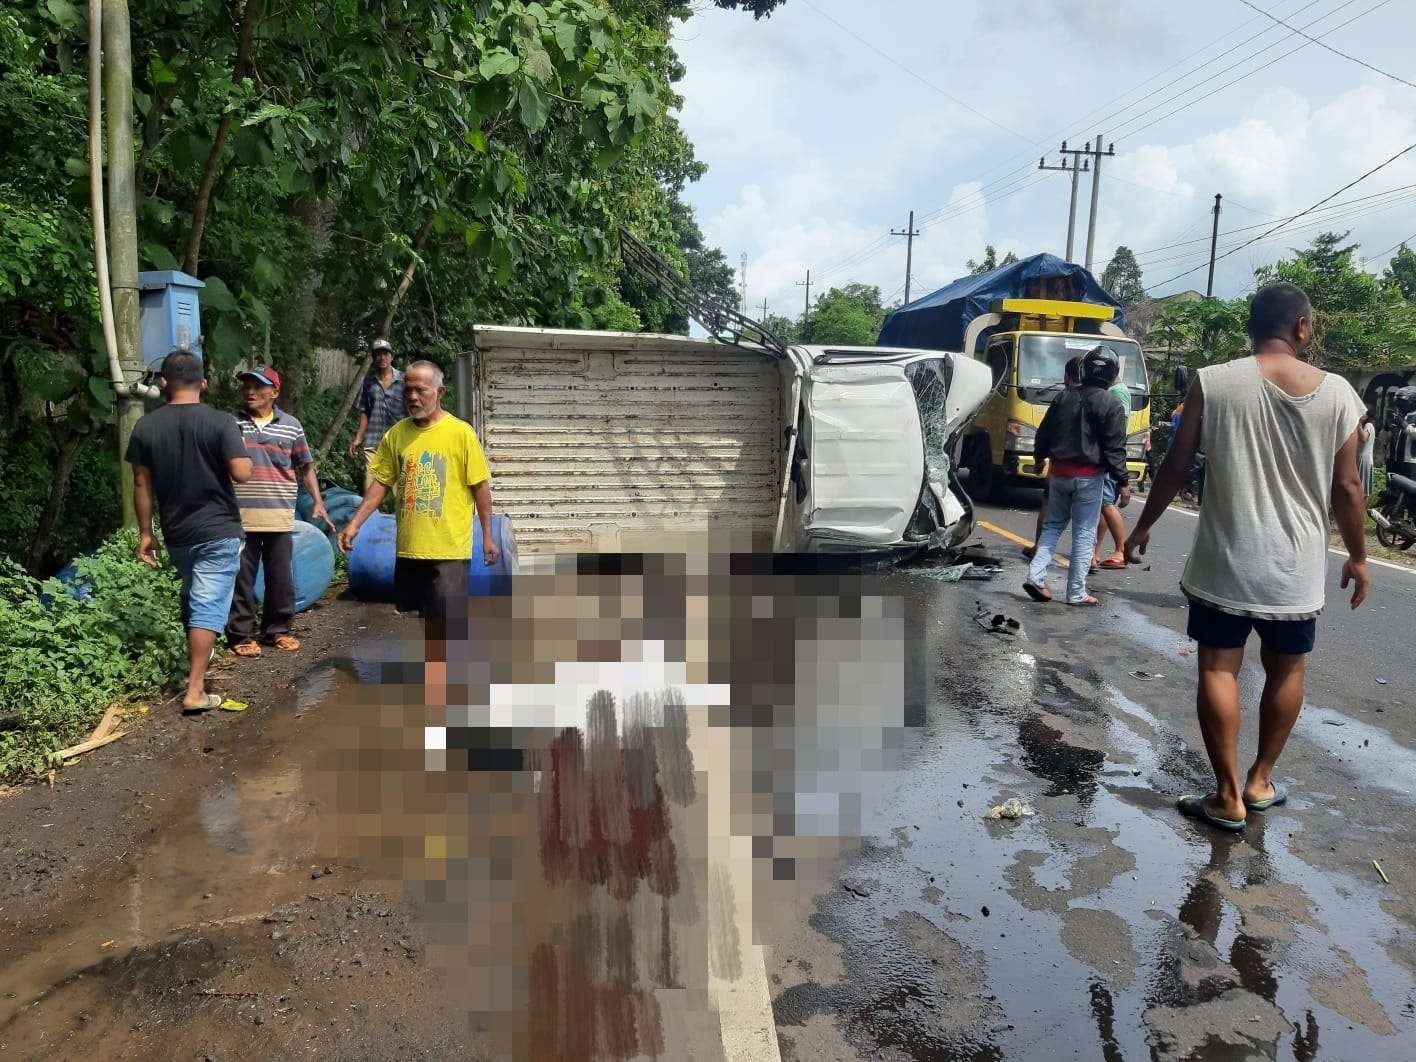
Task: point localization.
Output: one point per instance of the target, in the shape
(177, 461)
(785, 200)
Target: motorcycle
(1395, 515)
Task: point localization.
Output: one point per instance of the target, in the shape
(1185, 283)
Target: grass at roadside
(65, 657)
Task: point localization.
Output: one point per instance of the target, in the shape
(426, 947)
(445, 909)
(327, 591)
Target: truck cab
(1026, 344)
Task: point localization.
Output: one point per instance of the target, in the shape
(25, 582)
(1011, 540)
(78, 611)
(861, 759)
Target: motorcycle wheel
(1389, 538)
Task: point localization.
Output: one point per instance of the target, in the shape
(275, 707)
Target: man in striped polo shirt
(280, 461)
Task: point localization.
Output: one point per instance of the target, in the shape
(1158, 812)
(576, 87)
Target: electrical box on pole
(169, 314)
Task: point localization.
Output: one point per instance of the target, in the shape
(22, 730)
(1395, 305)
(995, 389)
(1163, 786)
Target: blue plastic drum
(313, 560)
(372, 559)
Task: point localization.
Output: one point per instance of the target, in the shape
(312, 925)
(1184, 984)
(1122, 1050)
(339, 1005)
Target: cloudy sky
(823, 126)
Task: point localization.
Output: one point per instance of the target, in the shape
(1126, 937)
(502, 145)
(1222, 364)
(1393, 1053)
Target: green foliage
(1122, 277)
(1401, 273)
(1359, 322)
(64, 660)
(849, 316)
(990, 261)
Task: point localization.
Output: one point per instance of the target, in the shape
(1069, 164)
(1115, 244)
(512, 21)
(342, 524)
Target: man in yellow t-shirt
(434, 464)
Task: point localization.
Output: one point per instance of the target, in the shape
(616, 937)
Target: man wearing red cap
(280, 461)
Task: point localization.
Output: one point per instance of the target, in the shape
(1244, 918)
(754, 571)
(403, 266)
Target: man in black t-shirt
(186, 455)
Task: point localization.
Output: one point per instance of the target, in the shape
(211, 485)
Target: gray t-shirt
(1261, 545)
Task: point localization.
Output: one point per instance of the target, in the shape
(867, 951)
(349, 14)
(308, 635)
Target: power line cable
(917, 76)
(1329, 47)
(1393, 247)
(1350, 184)
(1243, 76)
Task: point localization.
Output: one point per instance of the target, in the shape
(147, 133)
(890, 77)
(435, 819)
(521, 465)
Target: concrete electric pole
(122, 225)
(909, 233)
(1096, 155)
(806, 307)
(742, 278)
(1214, 246)
(1077, 167)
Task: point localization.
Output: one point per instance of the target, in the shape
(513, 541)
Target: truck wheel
(983, 475)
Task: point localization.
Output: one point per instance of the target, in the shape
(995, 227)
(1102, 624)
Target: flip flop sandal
(249, 650)
(1037, 593)
(1085, 602)
(1280, 796)
(1194, 807)
(286, 643)
(212, 700)
(1111, 564)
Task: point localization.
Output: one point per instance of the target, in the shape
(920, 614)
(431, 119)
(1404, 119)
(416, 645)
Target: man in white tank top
(1282, 443)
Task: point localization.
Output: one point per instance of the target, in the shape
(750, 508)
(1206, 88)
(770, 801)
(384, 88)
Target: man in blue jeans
(186, 455)
(1083, 435)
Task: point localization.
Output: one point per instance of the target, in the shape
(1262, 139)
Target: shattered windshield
(930, 380)
(1042, 360)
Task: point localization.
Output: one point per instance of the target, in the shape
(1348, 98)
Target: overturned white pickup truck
(614, 441)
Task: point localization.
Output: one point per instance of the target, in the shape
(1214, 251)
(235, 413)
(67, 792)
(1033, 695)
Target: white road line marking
(1403, 568)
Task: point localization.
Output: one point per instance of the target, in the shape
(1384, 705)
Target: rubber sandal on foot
(286, 643)
(1037, 593)
(250, 650)
(1111, 564)
(212, 700)
(1085, 602)
(1194, 807)
(1280, 796)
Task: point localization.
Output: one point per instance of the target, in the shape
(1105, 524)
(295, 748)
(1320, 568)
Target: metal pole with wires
(1096, 155)
(806, 307)
(909, 233)
(1076, 169)
(1214, 247)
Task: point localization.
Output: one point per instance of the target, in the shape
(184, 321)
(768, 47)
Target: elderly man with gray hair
(435, 465)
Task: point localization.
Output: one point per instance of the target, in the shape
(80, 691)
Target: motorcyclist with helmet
(1083, 436)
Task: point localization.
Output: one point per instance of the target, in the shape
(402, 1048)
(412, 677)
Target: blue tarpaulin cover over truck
(938, 321)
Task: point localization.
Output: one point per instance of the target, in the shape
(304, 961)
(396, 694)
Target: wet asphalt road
(1106, 926)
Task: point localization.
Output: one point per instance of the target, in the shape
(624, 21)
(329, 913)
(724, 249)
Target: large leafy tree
(1401, 273)
(849, 316)
(1122, 277)
(322, 165)
(1359, 322)
(990, 261)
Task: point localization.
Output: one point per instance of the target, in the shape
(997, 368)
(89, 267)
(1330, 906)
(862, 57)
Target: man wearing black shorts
(434, 464)
(1288, 434)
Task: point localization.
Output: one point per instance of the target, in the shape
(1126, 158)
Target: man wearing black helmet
(1083, 435)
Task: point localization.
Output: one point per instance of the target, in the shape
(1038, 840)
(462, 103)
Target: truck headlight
(1018, 437)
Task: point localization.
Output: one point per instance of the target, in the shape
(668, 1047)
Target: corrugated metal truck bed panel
(594, 446)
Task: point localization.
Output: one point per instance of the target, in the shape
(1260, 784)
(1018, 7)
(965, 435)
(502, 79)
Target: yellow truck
(1026, 341)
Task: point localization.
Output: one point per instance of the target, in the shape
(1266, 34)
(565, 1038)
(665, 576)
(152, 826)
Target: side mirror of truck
(1181, 380)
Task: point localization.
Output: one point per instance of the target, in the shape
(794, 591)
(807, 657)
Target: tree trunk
(54, 504)
(293, 331)
(349, 396)
(211, 170)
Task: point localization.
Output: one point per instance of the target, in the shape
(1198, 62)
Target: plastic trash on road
(1012, 808)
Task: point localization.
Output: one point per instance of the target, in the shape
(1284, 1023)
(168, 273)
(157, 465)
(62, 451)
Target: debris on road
(88, 746)
(1012, 808)
(855, 890)
(997, 623)
(1385, 880)
(1334, 722)
(951, 574)
(1145, 676)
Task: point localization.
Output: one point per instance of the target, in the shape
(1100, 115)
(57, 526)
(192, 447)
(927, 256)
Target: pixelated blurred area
(642, 755)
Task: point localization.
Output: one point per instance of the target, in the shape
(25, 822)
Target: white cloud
(817, 146)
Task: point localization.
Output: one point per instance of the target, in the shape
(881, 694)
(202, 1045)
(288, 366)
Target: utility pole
(806, 309)
(1214, 246)
(1096, 155)
(764, 311)
(122, 225)
(909, 233)
(742, 277)
(1076, 169)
